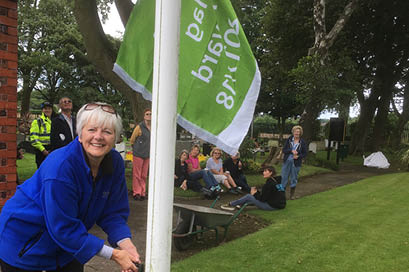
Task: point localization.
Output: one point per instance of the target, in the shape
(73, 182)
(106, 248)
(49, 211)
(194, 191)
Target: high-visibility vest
(40, 132)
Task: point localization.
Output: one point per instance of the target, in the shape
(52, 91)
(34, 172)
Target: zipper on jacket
(90, 200)
(30, 243)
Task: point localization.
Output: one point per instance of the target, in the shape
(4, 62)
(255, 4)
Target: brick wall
(8, 98)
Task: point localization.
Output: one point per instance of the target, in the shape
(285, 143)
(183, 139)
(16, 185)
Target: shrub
(313, 160)
(405, 158)
(246, 148)
(251, 167)
(203, 161)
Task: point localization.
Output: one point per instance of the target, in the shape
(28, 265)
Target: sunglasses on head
(104, 107)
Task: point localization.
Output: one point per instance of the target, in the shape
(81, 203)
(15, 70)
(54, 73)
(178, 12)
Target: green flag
(219, 80)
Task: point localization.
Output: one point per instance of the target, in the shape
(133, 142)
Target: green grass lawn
(26, 167)
(350, 159)
(359, 227)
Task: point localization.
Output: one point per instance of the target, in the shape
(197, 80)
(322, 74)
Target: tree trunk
(322, 44)
(343, 110)
(282, 127)
(368, 107)
(124, 8)
(381, 118)
(101, 53)
(29, 82)
(272, 156)
(308, 118)
(403, 119)
(25, 99)
(324, 41)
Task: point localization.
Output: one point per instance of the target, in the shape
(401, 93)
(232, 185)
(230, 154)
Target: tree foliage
(54, 62)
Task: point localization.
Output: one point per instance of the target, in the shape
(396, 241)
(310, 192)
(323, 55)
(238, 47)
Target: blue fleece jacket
(45, 224)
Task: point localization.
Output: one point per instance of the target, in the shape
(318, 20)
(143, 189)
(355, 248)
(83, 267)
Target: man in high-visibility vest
(40, 133)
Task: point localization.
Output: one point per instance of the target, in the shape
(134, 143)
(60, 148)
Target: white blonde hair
(297, 127)
(101, 119)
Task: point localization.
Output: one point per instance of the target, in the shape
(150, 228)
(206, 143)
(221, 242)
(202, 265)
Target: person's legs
(70, 267)
(252, 200)
(5, 267)
(39, 158)
(137, 164)
(196, 175)
(226, 184)
(294, 180)
(231, 182)
(222, 179)
(209, 179)
(285, 172)
(194, 185)
(144, 175)
(242, 182)
(294, 176)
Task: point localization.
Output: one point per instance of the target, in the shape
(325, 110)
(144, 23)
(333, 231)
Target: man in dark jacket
(63, 126)
(233, 166)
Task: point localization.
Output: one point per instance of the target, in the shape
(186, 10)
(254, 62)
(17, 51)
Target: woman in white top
(215, 165)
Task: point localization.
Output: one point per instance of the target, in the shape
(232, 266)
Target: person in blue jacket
(295, 150)
(45, 225)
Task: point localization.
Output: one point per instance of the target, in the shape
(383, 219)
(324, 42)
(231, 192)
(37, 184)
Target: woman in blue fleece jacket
(44, 226)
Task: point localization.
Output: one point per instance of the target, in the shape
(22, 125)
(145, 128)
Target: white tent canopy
(376, 159)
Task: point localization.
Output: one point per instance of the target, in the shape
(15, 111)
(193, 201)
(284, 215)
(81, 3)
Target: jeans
(73, 266)
(289, 170)
(242, 182)
(206, 175)
(252, 200)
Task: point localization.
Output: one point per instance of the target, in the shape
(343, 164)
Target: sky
(114, 27)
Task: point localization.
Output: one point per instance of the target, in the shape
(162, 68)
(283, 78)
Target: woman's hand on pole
(128, 246)
(124, 259)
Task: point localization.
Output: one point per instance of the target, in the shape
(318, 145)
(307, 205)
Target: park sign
(219, 80)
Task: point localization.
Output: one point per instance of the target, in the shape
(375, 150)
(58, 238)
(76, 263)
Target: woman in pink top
(196, 173)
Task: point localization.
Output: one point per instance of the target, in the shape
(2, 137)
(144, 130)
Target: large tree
(324, 40)
(293, 82)
(101, 51)
(284, 38)
(30, 50)
(378, 37)
(50, 50)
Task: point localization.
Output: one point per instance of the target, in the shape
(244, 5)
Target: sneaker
(219, 189)
(238, 190)
(227, 207)
(238, 207)
(233, 191)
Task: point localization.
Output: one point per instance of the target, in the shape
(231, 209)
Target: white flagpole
(163, 135)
